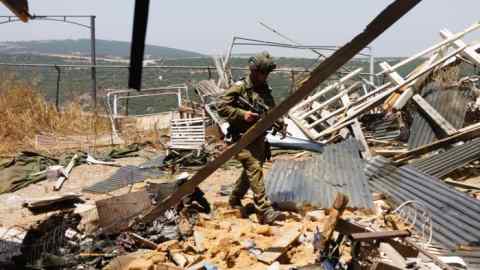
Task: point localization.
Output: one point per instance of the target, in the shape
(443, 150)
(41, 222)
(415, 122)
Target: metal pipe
(93, 55)
(57, 96)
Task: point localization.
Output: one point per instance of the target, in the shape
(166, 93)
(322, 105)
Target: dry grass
(25, 113)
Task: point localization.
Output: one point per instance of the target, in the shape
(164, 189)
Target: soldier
(255, 90)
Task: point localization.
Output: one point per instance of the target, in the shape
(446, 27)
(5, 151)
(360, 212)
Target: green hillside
(82, 46)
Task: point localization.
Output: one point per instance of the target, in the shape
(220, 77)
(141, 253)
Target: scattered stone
(141, 264)
(232, 213)
(185, 228)
(179, 259)
(199, 239)
(263, 230)
(274, 266)
(316, 215)
(165, 246)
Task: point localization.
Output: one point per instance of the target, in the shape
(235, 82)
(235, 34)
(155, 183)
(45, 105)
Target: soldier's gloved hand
(250, 116)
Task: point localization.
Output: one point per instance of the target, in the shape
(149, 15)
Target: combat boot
(269, 216)
(236, 203)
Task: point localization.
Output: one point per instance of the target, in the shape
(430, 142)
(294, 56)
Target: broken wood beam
(468, 53)
(393, 255)
(367, 236)
(399, 102)
(329, 66)
(144, 242)
(357, 130)
(423, 105)
(434, 116)
(58, 185)
(375, 101)
(334, 215)
(463, 134)
(463, 185)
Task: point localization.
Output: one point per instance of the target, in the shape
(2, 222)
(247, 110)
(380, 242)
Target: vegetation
(75, 82)
(25, 113)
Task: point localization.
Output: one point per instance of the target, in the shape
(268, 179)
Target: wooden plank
(281, 244)
(462, 184)
(469, 52)
(402, 99)
(367, 236)
(434, 116)
(321, 73)
(143, 241)
(58, 185)
(330, 225)
(392, 254)
(425, 107)
(377, 100)
(463, 134)
(357, 131)
(50, 200)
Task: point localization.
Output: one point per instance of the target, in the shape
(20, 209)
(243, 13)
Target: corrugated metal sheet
(381, 129)
(128, 175)
(316, 181)
(455, 215)
(446, 162)
(450, 103)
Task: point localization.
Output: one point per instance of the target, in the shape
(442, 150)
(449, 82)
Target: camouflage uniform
(253, 156)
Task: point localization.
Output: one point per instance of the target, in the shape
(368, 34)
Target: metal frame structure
(68, 19)
(242, 41)
(113, 96)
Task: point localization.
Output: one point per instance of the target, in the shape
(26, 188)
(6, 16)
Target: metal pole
(372, 66)
(292, 86)
(93, 55)
(57, 98)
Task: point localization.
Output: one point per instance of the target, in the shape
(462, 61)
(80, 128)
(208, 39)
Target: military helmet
(262, 62)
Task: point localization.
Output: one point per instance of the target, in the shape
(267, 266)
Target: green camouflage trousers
(252, 158)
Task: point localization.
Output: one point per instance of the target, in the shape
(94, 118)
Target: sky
(208, 26)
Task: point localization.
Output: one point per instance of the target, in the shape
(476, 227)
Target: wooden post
(328, 67)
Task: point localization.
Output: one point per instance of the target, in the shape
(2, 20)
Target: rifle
(260, 109)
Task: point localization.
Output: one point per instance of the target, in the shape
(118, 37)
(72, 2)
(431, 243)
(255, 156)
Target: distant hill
(105, 48)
